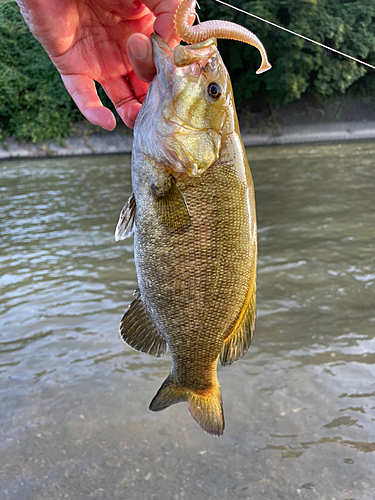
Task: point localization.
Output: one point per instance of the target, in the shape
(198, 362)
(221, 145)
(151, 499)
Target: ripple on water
(299, 405)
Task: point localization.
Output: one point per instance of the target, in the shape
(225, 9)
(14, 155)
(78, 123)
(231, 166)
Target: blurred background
(318, 85)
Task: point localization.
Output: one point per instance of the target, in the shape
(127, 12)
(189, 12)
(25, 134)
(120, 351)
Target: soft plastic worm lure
(215, 29)
(297, 34)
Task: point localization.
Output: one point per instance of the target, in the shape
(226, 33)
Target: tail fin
(206, 407)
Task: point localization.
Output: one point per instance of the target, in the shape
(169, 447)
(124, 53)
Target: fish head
(196, 108)
(200, 87)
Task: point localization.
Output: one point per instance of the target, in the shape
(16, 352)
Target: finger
(139, 50)
(47, 22)
(83, 92)
(140, 90)
(164, 11)
(132, 114)
(139, 87)
(123, 97)
(164, 27)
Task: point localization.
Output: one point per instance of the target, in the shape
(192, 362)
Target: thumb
(139, 50)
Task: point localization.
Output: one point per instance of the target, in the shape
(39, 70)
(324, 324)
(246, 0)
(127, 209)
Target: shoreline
(102, 142)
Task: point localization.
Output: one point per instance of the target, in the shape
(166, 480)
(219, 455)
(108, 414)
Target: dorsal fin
(238, 341)
(139, 332)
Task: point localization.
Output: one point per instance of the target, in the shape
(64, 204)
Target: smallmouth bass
(193, 215)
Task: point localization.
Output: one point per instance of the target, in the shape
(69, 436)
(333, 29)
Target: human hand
(104, 41)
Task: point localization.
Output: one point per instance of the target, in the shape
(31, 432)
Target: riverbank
(301, 122)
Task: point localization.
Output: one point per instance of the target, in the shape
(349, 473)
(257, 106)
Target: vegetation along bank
(307, 85)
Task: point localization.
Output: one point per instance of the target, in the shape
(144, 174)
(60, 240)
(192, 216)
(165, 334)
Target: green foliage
(34, 104)
(298, 65)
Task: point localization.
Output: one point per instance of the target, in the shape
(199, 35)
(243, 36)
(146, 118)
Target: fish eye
(214, 90)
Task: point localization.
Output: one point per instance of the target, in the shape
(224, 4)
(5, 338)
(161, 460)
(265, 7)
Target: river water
(299, 407)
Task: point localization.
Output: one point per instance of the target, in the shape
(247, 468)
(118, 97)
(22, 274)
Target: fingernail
(139, 49)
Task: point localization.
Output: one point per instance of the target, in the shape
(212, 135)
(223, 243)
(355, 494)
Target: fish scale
(195, 282)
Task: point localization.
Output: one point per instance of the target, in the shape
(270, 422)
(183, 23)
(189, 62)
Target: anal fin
(139, 332)
(125, 225)
(238, 341)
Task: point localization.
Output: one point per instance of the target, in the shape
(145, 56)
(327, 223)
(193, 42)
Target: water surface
(299, 407)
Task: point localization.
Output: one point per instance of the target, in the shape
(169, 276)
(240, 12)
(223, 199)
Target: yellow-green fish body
(193, 215)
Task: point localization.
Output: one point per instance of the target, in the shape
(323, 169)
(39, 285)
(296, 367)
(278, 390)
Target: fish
(192, 212)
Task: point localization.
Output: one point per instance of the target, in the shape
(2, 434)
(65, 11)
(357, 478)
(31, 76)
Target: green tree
(35, 105)
(33, 101)
(298, 65)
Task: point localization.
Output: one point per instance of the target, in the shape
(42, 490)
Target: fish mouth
(161, 43)
(185, 55)
(199, 52)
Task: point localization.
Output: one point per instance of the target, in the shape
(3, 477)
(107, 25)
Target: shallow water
(299, 407)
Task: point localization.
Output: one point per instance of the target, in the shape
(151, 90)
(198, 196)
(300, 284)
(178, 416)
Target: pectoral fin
(238, 341)
(125, 225)
(170, 205)
(139, 332)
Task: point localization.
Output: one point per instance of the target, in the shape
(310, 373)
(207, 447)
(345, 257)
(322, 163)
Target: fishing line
(296, 34)
(196, 13)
